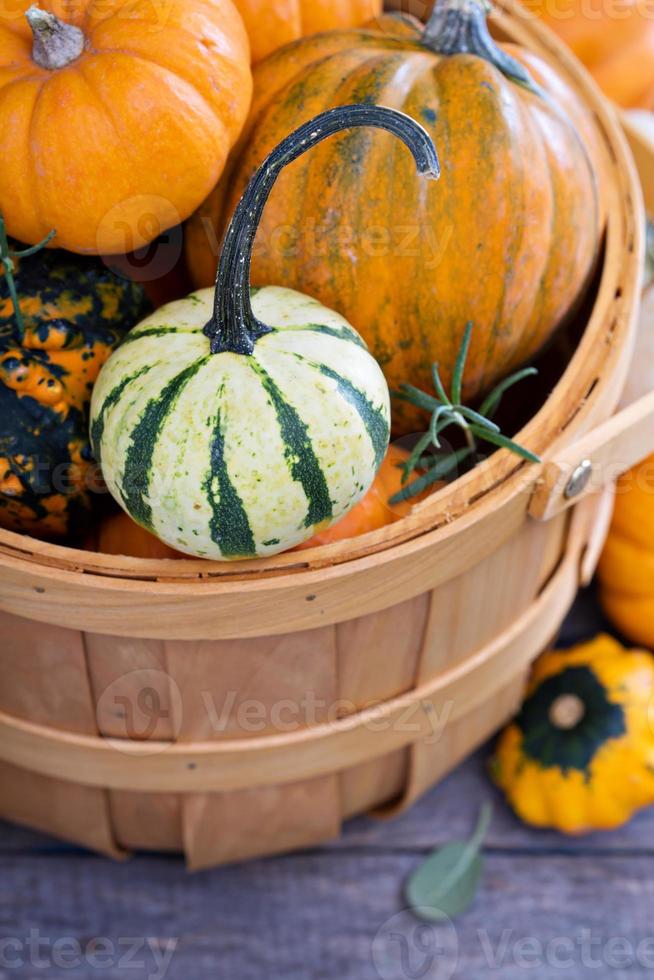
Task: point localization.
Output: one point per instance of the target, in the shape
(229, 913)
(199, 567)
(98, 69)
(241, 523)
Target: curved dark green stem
(7, 257)
(461, 27)
(8, 268)
(233, 326)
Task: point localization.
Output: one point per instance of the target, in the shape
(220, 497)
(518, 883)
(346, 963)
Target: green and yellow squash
(580, 754)
(239, 423)
(67, 316)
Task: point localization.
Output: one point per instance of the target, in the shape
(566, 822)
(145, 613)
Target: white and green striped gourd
(236, 423)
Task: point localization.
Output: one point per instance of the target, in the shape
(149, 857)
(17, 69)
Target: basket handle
(595, 461)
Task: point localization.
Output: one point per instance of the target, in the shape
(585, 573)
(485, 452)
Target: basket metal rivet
(579, 479)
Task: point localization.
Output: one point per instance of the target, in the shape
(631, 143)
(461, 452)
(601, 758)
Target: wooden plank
(392, 638)
(30, 654)
(441, 815)
(523, 564)
(77, 813)
(135, 698)
(345, 908)
(249, 688)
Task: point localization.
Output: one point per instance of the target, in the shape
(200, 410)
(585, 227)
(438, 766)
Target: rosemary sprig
(7, 260)
(447, 410)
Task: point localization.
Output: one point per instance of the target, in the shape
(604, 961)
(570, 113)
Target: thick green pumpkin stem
(56, 44)
(461, 27)
(234, 326)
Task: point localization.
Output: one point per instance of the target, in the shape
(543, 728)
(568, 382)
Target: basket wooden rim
(497, 492)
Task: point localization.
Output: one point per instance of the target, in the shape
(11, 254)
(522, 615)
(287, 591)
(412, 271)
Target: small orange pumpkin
(274, 23)
(626, 568)
(506, 239)
(116, 121)
(374, 511)
(120, 535)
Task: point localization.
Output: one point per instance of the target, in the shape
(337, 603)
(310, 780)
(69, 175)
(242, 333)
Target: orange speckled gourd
(75, 311)
(116, 116)
(508, 237)
(274, 23)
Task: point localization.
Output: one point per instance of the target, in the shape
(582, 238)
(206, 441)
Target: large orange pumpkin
(116, 116)
(273, 23)
(613, 38)
(507, 238)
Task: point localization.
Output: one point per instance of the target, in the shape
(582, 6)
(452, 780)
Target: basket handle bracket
(594, 462)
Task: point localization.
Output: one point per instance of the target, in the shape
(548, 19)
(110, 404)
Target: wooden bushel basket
(235, 710)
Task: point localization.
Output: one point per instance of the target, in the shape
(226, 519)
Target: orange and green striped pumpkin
(508, 237)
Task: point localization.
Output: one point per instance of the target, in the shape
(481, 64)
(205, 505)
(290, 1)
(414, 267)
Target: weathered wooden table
(549, 907)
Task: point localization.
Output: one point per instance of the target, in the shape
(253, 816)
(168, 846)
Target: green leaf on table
(446, 884)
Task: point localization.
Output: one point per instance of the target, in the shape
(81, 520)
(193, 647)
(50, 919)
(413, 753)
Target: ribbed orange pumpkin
(613, 38)
(273, 23)
(507, 238)
(116, 116)
(626, 569)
